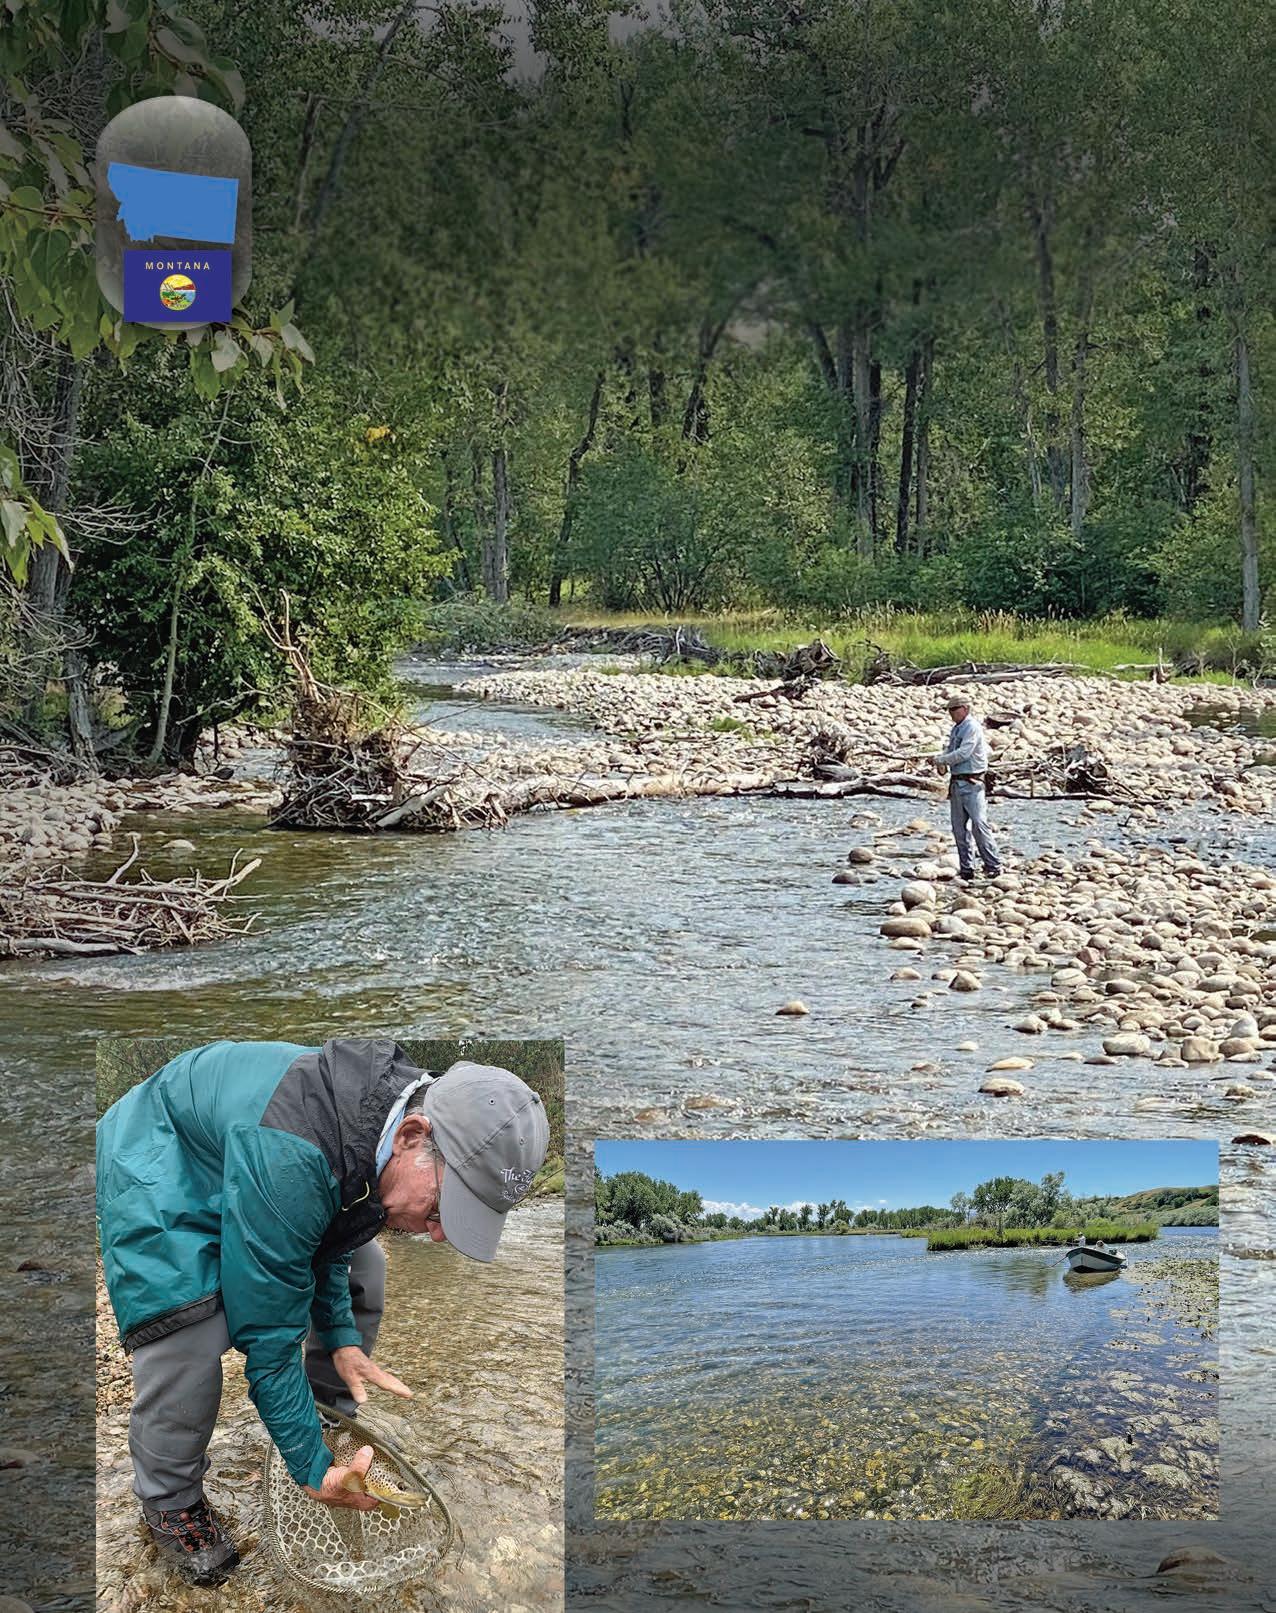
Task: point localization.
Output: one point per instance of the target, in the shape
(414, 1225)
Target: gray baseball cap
(493, 1134)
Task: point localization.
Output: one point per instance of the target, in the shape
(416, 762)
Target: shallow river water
(658, 938)
(864, 1377)
(482, 1347)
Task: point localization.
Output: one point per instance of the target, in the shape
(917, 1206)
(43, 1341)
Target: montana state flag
(190, 287)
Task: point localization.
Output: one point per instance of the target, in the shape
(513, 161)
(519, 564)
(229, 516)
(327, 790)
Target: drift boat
(1085, 1257)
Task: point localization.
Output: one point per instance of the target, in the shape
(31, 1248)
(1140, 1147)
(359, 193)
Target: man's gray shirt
(967, 750)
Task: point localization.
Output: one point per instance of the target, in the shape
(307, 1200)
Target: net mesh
(346, 1552)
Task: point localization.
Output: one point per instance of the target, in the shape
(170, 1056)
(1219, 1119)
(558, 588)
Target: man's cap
(957, 700)
(493, 1134)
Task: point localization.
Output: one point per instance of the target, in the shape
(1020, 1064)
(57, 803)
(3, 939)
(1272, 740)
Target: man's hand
(356, 1369)
(937, 761)
(333, 1492)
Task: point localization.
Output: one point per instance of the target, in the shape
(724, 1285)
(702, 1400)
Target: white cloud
(750, 1212)
(746, 1212)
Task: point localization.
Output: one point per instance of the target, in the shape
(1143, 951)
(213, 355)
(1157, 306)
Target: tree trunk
(498, 579)
(448, 523)
(50, 575)
(354, 119)
(657, 397)
(835, 368)
(79, 712)
(695, 416)
(1199, 441)
(921, 509)
(1042, 218)
(482, 517)
(908, 428)
(1251, 594)
(1079, 474)
(558, 558)
(1023, 401)
(165, 705)
(862, 395)
(309, 129)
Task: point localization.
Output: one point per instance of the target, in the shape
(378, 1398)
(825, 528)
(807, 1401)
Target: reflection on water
(482, 1346)
(1080, 1282)
(1257, 721)
(866, 1377)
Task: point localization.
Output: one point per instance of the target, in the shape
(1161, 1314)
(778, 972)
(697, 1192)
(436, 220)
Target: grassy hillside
(1171, 1206)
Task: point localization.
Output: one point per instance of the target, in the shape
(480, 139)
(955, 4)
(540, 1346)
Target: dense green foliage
(819, 309)
(1167, 1206)
(301, 502)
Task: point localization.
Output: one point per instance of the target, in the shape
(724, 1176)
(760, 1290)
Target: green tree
(993, 1198)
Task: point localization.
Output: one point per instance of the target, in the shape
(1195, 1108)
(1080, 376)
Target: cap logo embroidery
(517, 1184)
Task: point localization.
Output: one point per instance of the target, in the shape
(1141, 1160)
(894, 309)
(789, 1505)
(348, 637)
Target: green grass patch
(943, 1238)
(1213, 651)
(549, 1179)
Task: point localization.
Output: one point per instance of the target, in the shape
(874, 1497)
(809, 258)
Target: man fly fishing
(966, 761)
(239, 1193)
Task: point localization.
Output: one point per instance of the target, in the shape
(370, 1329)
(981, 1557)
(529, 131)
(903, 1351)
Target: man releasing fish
(239, 1193)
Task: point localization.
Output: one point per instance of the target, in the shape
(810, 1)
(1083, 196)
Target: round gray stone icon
(174, 213)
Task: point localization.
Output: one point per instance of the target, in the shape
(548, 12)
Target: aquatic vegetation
(943, 1238)
(997, 1491)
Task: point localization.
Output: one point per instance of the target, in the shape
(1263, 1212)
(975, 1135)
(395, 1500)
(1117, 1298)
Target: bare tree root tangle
(52, 913)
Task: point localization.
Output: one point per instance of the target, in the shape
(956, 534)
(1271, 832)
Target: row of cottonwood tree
(637, 1201)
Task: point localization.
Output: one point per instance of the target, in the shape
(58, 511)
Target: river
(658, 938)
(863, 1377)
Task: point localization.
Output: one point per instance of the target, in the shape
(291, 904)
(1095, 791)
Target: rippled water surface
(659, 938)
(865, 1377)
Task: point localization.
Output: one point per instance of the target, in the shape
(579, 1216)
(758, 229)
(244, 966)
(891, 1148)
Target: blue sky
(743, 1178)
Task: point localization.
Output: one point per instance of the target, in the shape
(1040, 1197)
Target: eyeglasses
(433, 1219)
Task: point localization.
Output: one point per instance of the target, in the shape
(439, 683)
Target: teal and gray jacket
(241, 1177)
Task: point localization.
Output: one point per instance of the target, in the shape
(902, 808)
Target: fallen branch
(54, 914)
(981, 672)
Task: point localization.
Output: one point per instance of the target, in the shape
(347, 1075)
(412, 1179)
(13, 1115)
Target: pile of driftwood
(661, 644)
(350, 765)
(1059, 772)
(23, 766)
(799, 671)
(52, 913)
(881, 667)
(798, 668)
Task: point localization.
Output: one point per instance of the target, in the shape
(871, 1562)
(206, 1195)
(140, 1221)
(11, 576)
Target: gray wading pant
(177, 1389)
(968, 807)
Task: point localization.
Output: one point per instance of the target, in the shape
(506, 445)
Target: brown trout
(380, 1478)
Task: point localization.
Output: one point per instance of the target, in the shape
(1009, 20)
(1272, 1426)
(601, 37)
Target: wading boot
(193, 1541)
